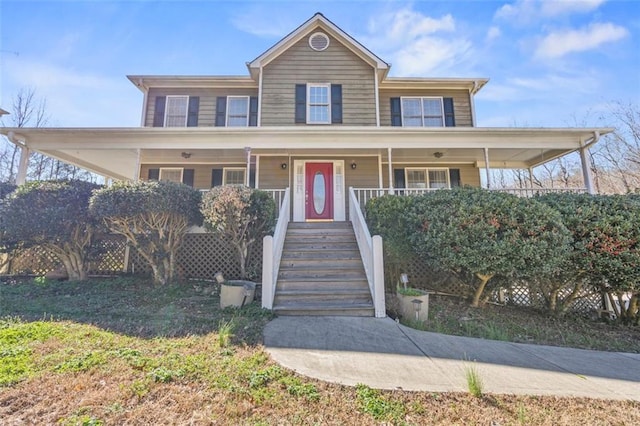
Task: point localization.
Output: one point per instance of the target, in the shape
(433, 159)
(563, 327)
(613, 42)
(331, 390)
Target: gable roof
(318, 21)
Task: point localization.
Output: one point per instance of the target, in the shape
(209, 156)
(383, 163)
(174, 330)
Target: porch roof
(113, 152)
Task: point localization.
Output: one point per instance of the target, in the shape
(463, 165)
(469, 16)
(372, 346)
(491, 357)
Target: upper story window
(318, 104)
(427, 178)
(422, 112)
(176, 111)
(237, 111)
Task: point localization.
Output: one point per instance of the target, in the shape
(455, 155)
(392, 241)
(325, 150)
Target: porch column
(585, 159)
(247, 180)
(23, 165)
(531, 177)
(486, 167)
(391, 191)
(136, 172)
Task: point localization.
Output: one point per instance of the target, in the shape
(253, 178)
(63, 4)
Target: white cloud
(560, 43)
(493, 33)
(417, 44)
(528, 11)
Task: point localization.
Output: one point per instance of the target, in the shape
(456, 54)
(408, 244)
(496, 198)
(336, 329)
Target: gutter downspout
(472, 102)
(145, 99)
(376, 88)
(585, 160)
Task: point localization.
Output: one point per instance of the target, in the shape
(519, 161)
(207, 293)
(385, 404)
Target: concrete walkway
(383, 354)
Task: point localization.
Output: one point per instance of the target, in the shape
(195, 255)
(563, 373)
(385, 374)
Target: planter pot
(237, 293)
(407, 307)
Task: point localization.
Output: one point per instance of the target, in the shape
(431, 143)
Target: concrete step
(325, 309)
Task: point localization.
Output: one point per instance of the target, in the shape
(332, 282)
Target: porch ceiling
(113, 152)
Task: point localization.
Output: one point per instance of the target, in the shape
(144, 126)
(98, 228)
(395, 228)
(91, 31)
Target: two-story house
(316, 113)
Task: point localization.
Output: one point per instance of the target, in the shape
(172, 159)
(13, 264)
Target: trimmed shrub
(54, 215)
(243, 215)
(153, 217)
(474, 232)
(606, 244)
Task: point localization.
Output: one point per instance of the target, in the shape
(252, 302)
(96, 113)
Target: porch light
(283, 166)
(417, 306)
(353, 165)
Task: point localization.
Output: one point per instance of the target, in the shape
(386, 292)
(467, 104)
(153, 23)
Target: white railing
(278, 197)
(371, 253)
(272, 252)
(532, 192)
(363, 195)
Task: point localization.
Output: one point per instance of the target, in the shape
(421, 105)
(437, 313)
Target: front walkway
(382, 354)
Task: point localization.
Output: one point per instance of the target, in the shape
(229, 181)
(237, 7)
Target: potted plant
(243, 216)
(413, 303)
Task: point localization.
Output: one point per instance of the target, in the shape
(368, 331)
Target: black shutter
(192, 115)
(252, 177)
(396, 112)
(449, 117)
(158, 115)
(221, 111)
(301, 103)
(454, 177)
(336, 103)
(154, 174)
(398, 177)
(216, 177)
(187, 176)
(253, 111)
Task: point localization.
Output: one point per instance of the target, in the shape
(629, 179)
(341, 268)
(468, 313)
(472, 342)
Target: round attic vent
(319, 41)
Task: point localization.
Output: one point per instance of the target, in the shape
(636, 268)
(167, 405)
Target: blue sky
(550, 63)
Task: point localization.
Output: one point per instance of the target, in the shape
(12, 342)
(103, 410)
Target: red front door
(319, 191)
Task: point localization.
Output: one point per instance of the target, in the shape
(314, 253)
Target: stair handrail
(272, 253)
(371, 253)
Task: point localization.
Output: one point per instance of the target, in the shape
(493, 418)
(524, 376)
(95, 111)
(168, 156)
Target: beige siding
(207, 110)
(469, 174)
(201, 172)
(271, 175)
(300, 64)
(461, 104)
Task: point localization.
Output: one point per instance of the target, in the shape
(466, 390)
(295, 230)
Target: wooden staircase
(321, 272)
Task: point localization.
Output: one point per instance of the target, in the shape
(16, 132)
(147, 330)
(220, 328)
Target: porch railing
(363, 195)
(278, 196)
(272, 252)
(371, 253)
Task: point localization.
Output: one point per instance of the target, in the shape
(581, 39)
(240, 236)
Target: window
(427, 178)
(171, 174)
(422, 112)
(176, 111)
(237, 111)
(234, 176)
(319, 104)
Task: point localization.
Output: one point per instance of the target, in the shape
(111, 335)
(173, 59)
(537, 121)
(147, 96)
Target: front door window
(319, 191)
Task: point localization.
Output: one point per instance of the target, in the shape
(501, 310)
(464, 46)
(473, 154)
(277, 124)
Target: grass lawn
(121, 351)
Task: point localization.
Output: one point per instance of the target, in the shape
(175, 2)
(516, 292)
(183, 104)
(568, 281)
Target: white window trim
(186, 109)
(426, 175)
(402, 98)
(328, 86)
(226, 122)
(233, 169)
(173, 169)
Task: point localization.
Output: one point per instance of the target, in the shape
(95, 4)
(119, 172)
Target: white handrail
(371, 254)
(272, 253)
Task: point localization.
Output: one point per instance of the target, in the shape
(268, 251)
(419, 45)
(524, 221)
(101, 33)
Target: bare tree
(27, 110)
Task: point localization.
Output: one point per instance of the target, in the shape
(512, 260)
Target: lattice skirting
(201, 256)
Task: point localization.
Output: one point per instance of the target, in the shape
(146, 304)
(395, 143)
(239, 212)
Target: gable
(318, 23)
